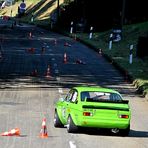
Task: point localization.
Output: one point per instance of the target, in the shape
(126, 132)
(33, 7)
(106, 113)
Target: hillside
(40, 9)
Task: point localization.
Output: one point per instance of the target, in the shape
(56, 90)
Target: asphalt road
(27, 97)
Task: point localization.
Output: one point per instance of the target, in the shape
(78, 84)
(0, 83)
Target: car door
(65, 106)
(72, 107)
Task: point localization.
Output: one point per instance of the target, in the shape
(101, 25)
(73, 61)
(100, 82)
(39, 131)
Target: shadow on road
(106, 132)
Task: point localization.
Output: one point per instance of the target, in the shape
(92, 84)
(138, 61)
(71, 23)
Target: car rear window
(99, 96)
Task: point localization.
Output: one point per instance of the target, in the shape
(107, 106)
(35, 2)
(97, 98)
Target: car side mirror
(61, 99)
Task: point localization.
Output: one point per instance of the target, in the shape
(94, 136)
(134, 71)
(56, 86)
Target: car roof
(94, 88)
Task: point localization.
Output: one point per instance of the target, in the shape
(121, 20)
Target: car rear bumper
(104, 123)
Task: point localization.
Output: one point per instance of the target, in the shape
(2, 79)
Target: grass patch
(119, 53)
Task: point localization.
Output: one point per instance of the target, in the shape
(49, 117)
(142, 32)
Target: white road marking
(58, 78)
(72, 144)
(60, 90)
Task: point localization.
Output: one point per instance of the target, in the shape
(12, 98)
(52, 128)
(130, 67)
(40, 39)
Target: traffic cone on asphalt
(48, 72)
(34, 73)
(67, 44)
(43, 49)
(30, 35)
(65, 58)
(43, 132)
(31, 50)
(78, 61)
(13, 132)
(100, 51)
(55, 42)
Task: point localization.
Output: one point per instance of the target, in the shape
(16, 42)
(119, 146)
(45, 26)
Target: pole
(131, 54)
(71, 28)
(91, 33)
(110, 41)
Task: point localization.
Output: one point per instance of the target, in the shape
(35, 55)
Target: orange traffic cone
(78, 61)
(55, 42)
(31, 50)
(100, 51)
(48, 72)
(65, 58)
(13, 132)
(34, 73)
(43, 49)
(67, 44)
(43, 132)
(30, 35)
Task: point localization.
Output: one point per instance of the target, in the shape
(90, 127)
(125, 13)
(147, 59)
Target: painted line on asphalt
(58, 78)
(72, 144)
(60, 90)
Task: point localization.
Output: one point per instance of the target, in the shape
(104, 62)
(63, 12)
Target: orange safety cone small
(34, 73)
(78, 61)
(43, 49)
(55, 42)
(100, 51)
(43, 132)
(32, 50)
(67, 44)
(13, 132)
(30, 35)
(65, 58)
(48, 72)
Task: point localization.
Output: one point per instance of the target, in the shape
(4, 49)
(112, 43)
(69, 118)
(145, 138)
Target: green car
(93, 107)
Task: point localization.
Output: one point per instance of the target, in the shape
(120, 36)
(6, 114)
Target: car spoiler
(108, 101)
(105, 107)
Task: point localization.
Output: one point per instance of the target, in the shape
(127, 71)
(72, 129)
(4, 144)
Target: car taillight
(124, 116)
(87, 114)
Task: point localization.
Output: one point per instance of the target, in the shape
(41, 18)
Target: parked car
(93, 107)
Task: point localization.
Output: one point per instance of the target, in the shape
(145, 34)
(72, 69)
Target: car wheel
(125, 132)
(57, 122)
(71, 127)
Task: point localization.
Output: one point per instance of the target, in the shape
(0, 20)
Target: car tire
(71, 127)
(125, 132)
(57, 121)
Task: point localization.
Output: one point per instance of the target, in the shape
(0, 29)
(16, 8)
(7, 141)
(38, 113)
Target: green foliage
(120, 52)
